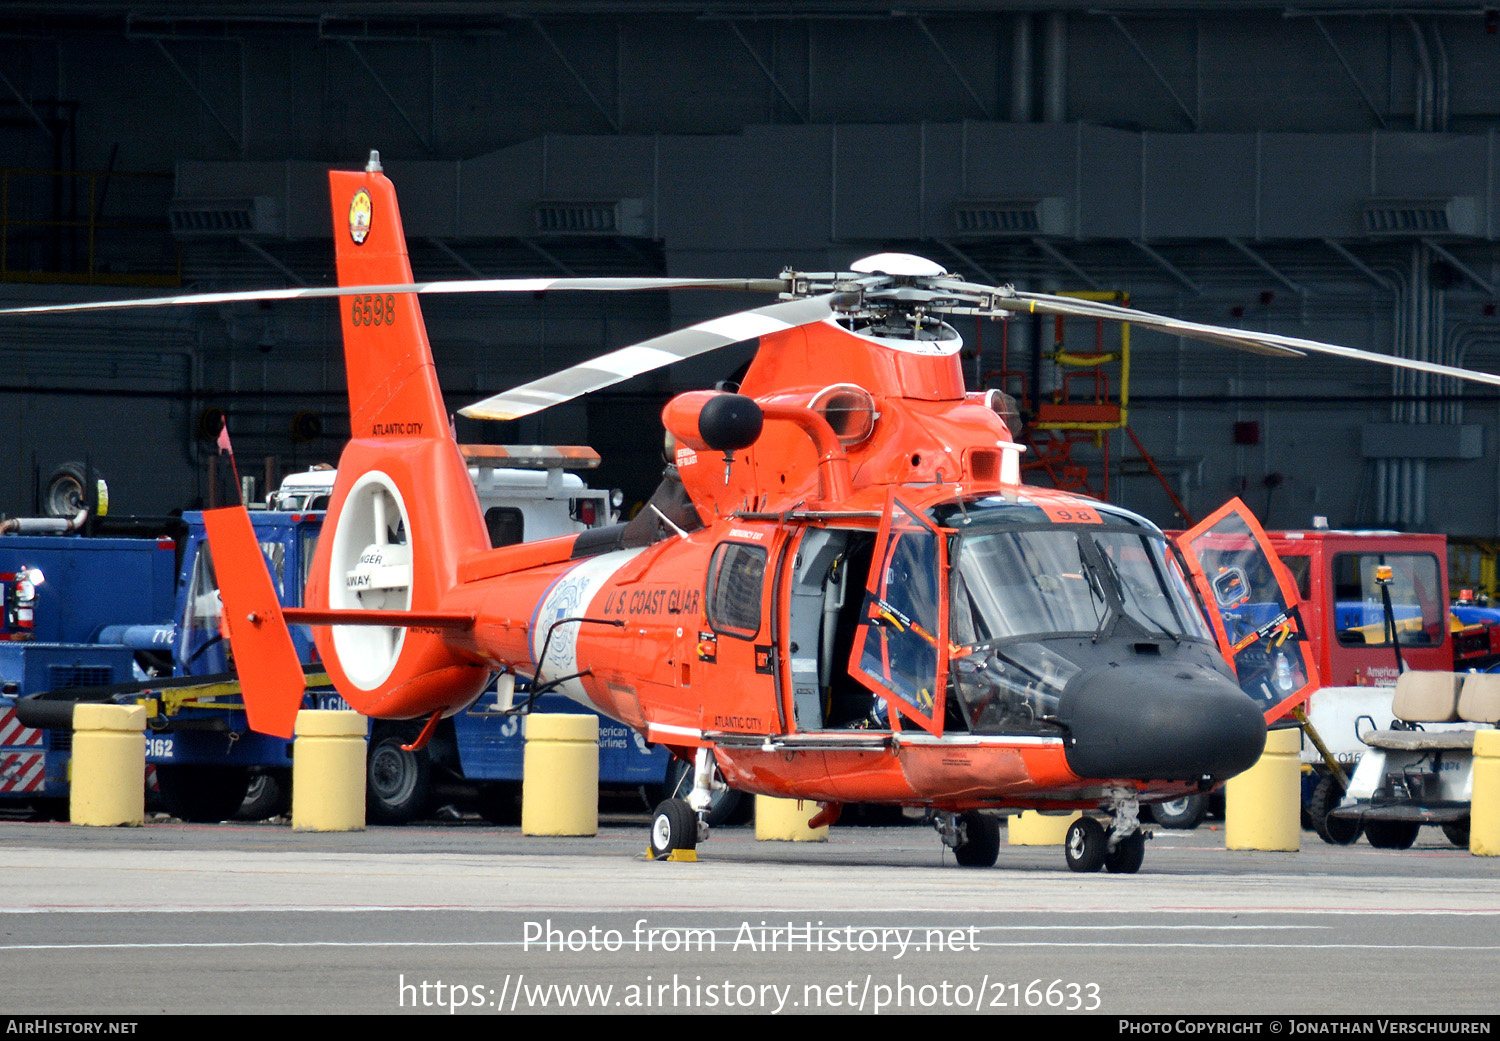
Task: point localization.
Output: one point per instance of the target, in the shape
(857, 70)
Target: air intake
(202, 218)
(1458, 215)
(1048, 216)
(624, 217)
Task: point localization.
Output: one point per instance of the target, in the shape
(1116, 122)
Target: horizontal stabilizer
(387, 619)
(271, 676)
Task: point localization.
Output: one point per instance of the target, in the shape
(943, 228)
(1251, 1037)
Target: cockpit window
(1015, 583)
(1152, 586)
(1050, 581)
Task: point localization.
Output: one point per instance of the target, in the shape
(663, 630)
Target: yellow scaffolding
(89, 226)
(1066, 418)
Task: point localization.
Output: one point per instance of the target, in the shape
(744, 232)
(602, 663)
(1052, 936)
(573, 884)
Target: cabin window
(736, 584)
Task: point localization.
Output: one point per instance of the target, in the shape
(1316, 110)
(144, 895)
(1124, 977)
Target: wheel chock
(681, 856)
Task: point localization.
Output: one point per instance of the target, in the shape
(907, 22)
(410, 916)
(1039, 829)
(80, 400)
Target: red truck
(1343, 614)
(1342, 608)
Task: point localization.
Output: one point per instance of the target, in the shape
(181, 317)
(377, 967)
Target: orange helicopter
(841, 592)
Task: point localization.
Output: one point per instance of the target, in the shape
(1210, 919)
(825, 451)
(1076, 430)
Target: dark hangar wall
(1328, 171)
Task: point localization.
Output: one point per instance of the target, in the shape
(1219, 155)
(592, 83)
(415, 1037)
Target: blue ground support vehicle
(58, 593)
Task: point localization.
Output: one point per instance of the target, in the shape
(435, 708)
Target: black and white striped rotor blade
(478, 285)
(658, 352)
(1244, 339)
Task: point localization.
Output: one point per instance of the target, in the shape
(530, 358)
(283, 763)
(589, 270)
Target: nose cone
(1162, 722)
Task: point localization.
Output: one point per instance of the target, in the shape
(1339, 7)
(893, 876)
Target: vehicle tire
(269, 795)
(1126, 857)
(981, 844)
(1336, 831)
(1457, 832)
(67, 490)
(500, 803)
(398, 786)
(674, 826)
(1391, 834)
(203, 794)
(1085, 845)
(50, 809)
(723, 808)
(1186, 812)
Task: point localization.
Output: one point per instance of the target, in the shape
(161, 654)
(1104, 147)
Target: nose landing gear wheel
(1126, 857)
(981, 844)
(674, 826)
(1085, 845)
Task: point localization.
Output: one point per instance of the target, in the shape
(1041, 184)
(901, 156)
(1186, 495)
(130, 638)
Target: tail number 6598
(372, 310)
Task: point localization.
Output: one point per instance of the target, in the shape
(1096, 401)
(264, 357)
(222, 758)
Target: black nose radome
(1160, 722)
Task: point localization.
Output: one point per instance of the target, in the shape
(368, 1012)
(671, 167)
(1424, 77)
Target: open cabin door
(900, 647)
(1252, 606)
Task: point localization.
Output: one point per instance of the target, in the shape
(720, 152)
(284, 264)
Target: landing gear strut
(678, 825)
(974, 837)
(1118, 847)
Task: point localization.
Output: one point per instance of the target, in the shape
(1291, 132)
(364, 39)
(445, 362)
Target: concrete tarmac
(476, 918)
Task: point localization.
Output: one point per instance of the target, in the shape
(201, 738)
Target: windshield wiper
(1140, 615)
(1096, 591)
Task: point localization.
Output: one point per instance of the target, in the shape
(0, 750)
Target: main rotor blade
(1244, 339)
(656, 353)
(479, 285)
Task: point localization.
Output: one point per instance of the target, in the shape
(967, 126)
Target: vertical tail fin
(403, 511)
(393, 385)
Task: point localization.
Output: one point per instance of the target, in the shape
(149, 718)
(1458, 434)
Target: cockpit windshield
(1029, 604)
(1052, 581)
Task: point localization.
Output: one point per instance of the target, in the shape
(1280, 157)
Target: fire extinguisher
(20, 602)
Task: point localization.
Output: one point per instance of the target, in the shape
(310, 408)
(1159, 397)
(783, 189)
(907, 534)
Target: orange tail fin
(403, 511)
(393, 385)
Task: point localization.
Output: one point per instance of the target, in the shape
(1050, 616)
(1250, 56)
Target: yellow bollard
(108, 766)
(1038, 829)
(328, 771)
(1263, 805)
(1484, 811)
(785, 820)
(560, 786)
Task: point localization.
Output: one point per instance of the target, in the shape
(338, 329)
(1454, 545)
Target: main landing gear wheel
(1391, 834)
(1086, 845)
(1337, 831)
(679, 785)
(1126, 857)
(674, 826)
(980, 846)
